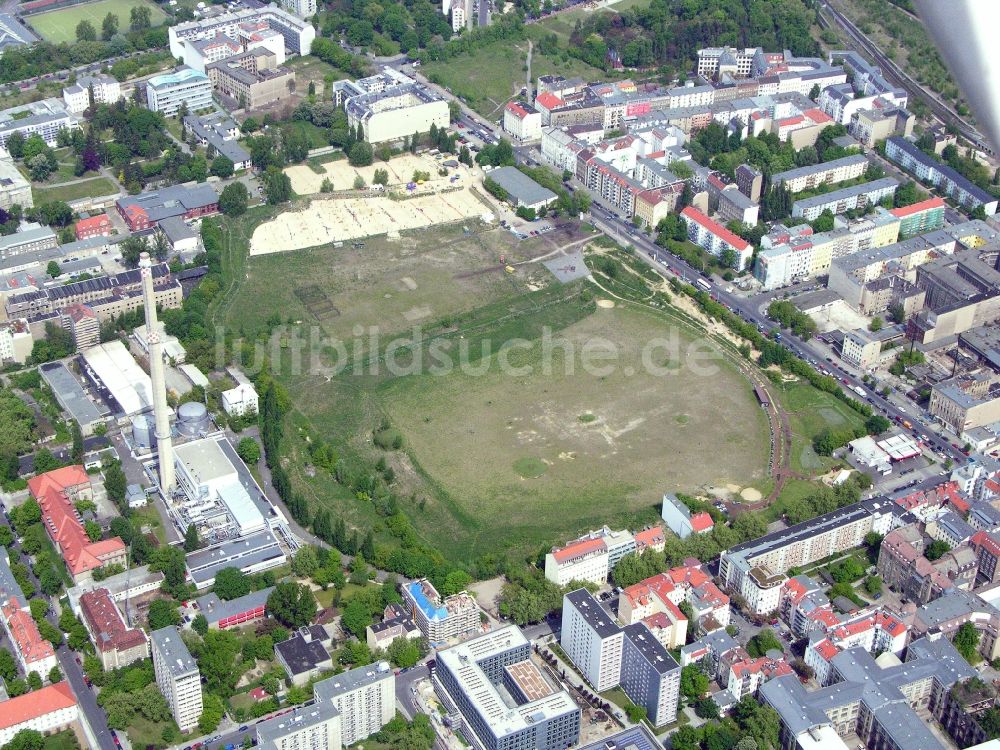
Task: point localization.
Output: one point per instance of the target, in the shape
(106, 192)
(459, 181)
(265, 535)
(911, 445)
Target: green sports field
(60, 25)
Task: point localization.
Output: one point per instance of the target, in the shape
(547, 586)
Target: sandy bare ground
(401, 168)
(337, 220)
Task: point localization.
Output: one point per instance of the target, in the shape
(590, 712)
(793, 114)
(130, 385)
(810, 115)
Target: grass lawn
(64, 740)
(794, 489)
(495, 73)
(60, 25)
(145, 733)
(317, 136)
(86, 189)
(616, 696)
(485, 446)
(812, 411)
(148, 516)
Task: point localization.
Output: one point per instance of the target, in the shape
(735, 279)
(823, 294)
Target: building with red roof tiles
(680, 519)
(34, 653)
(746, 675)
(95, 226)
(56, 492)
(590, 558)
(117, 644)
(919, 218)
(48, 710)
(664, 593)
(522, 121)
(714, 238)
(651, 538)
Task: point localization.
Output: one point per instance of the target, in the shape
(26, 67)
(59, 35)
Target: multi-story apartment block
(117, 644)
(177, 676)
(365, 698)
(662, 594)
(756, 569)
(592, 557)
(298, 34)
(592, 639)
(312, 727)
(861, 349)
(906, 154)
(390, 106)
(301, 8)
(166, 93)
(44, 118)
(711, 236)
(16, 341)
(918, 218)
(878, 704)
(750, 182)
(49, 710)
(649, 675)
(608, 655)
(961, 409)
(870, 126)
(719, 61)
(946, 614)
(842, 103)
(440, 618)
(14, 188)
(501, 699)
(986, 545)
(745, 676)
(522, 121)
(806, 178)
(102, 88)
(875, 631)
(845, 199)
(107, 296)
(34, 653)
(253, 78)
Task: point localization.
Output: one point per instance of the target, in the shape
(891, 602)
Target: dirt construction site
(402, 207)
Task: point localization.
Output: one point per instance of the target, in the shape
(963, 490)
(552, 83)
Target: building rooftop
(595, 615)
(175, 654)
(251, 550)
(834, 196)
(106, 624)
(650, 647)
(71, 393)
(36, 704)
(216, 609)
(333, 687)
(521, 187)
(793, 174)
(911, 149)
(305, 650)
(633, 738)
(299, 718)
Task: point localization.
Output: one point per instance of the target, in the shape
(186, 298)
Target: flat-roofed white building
(240, 401)
(177, 676)
(105, 89)
(592, 639)
(365, 697)
(113, 367)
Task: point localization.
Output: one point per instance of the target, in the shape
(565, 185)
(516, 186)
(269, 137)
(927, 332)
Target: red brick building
(95, 226)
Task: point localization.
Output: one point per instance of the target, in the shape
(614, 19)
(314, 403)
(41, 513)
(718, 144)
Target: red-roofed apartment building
(56, 491)
(522, 121)
(746, 675)
(713, 237)
(681, 520)
(34, 653)
(664, 593)
(921, 217)
(95, 226)
(48, 710)
(117, 644)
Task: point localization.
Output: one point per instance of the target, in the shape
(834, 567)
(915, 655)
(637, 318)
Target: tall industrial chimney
(164, 443)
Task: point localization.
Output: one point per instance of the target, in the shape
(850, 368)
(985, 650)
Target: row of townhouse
(725, 661)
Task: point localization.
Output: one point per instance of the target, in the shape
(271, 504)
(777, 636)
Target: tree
(8, 667)
(763, 642)
(356, 618)
(277, 186)
(249, 450)
(191, 540)
(93, 530)
(967, 643)
(404, 652)
(85, 32)
(132, 247)
(292, 604)
(140, 18)
(34, 680)
(212, 711)
(55, 675)
(876, 424)
(876, 324)
(162, 613)
(694, 683)
(26, 739)
(635, 713)
(15, 145)
(232, 583)
(77, 436)
(873, 584)
(53, 269)
(222, 166)
(109, 27)
(936, 549)
(306, 561)
(199, 624)
(234, 199)
(361, 154)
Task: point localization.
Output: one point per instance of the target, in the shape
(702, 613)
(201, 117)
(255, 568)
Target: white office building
(167, 92)
(297, 33)
(177, 676)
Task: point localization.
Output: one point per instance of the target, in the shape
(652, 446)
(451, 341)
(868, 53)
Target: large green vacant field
(488, 78)
(60, 25)
(93, 188)
(491, 458)
(812, 411)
